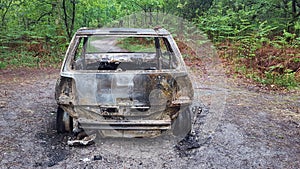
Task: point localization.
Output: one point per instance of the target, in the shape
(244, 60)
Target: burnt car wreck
(124, 83)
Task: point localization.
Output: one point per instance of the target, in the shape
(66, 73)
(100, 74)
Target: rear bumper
(125, 124)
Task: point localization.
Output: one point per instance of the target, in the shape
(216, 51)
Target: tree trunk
(5, 12)
(69, 26)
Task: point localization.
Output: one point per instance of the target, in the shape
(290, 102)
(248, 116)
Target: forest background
(257, 39)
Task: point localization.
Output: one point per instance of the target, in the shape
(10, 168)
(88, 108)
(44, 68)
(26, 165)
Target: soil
(236, 125)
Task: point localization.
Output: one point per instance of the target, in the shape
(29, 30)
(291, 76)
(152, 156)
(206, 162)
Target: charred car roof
(125, 31)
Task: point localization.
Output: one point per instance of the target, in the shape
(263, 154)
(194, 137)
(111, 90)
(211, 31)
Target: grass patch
(16, 59)
(267, 64)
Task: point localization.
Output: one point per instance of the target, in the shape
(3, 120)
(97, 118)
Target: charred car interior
(124, 83)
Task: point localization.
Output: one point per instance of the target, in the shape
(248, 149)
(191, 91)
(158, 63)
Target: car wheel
(64, 122)
(183, 124)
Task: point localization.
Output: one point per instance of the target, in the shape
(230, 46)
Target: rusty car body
(124, 82)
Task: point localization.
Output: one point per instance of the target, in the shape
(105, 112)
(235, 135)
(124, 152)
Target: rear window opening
(123, 53)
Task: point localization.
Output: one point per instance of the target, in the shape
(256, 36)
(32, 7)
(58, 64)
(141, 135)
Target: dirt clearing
(239, 127)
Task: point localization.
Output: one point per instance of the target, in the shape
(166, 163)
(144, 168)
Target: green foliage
(228, 20)
(193, 8)
(137, 44)
(262, 38)
(287, 80)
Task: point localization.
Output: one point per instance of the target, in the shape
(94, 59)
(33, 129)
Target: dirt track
(239, 127)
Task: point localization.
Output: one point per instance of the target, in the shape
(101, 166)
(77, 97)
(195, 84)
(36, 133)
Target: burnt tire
(64, 122)
(183, 124)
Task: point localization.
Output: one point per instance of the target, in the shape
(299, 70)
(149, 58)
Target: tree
(69, 14)
(5, 7)
(193, 8)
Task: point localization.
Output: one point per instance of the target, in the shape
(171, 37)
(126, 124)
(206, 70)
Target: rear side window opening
(123, 53)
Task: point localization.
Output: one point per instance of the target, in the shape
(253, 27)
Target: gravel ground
(237, 126)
